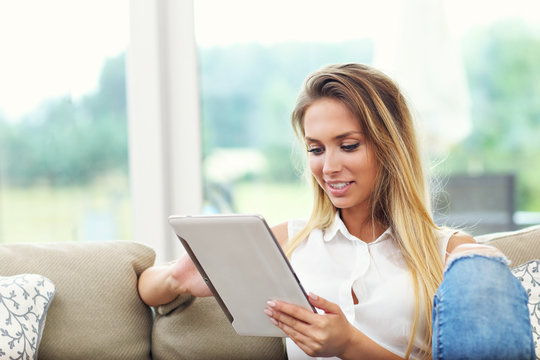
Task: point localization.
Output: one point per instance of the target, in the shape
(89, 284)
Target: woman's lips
(338, 187)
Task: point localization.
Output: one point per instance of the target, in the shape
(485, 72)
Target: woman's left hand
(324, 335)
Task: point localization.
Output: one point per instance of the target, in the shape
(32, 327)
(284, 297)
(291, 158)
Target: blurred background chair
(476, 204)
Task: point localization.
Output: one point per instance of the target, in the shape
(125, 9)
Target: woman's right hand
(161, 284)
(184, 278)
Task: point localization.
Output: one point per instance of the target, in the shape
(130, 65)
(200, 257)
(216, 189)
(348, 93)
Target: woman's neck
(363, 226)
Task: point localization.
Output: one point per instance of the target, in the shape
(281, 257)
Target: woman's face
(339, 155)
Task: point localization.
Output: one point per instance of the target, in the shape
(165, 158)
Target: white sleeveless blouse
(330, 263)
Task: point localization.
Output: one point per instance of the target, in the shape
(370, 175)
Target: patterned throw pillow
(529, 275)
(24, 301)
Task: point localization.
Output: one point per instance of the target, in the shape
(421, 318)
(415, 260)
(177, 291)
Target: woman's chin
(340, 203)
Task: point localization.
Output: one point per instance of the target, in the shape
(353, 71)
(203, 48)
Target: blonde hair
(400, 199)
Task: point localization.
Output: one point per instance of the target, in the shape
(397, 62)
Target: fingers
(294, 315)
(293, 311)
(323, 304)
(293, 330)
(297, 330)
(316, 334)
(294, 320)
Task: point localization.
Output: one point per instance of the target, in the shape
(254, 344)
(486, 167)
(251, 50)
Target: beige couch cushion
(519, 246)
(196, 328)
(96, 312)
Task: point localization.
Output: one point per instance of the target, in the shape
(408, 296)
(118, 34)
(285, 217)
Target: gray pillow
(96, 312)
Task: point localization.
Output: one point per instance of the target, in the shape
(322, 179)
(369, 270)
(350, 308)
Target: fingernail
(268, 312)
(271, 303)
(274, 321)
(313, 296)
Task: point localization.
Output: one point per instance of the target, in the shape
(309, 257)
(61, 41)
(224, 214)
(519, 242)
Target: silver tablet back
(243, 265)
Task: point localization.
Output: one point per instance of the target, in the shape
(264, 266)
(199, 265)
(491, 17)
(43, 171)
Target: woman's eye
(350, 147)
(315, 150)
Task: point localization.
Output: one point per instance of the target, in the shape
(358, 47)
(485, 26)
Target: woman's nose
(332, 162)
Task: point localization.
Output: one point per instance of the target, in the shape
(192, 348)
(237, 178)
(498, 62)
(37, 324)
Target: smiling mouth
(339, 185)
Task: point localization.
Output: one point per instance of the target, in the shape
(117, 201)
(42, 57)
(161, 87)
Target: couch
(96, 313)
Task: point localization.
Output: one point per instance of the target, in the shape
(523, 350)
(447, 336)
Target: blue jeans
(480, 312)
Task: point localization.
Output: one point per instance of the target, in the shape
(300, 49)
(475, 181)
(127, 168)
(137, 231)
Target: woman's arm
(328, 334)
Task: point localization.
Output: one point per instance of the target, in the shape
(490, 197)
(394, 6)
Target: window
(500, 48)
(470, 71)
(472, 80)
(253, 58)
(63, 130)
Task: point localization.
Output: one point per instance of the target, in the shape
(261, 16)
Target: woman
(370, 254)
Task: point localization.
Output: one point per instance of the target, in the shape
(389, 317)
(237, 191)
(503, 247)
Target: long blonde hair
(400, 199)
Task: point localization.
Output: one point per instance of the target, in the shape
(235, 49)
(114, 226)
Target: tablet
(243, 265)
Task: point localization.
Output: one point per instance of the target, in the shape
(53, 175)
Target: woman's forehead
(329, 115)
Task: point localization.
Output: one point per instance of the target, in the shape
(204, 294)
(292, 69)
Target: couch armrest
(96, 312)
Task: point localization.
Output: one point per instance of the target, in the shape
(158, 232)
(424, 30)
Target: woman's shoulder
(451, 238)
(286, 230)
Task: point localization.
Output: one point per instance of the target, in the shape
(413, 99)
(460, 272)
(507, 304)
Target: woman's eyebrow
(338, 137)
(347, 134)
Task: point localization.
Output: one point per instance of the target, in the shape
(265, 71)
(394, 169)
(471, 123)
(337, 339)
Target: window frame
(163, 120)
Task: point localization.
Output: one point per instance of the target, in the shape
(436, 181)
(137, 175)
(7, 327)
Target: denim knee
(480, 311)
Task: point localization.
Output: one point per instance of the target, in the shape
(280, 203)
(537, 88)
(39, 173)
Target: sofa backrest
(519, 246)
